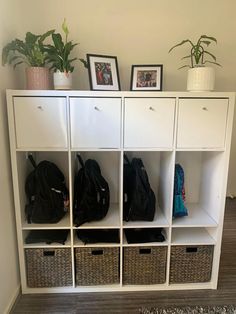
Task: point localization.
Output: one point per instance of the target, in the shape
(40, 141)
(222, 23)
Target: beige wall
(141, 32)
(9, 276)
(137, 32)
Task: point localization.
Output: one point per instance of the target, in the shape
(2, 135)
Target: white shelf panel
(191, 236)
(197, 217)
(111, 221)
(159, 221)
(79, 243)
(64, 223)
(126, 244)
(82, 149)
(205, 149)
(149, 149)
(46, 149)
(53, 245)
(118, 287)
(112, 287)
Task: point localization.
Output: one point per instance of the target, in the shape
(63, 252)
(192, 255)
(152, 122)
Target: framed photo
(146, 77)
(103, 72)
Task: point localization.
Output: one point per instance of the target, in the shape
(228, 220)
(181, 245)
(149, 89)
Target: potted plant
(31, 52)
(200, 77)
(58, 55)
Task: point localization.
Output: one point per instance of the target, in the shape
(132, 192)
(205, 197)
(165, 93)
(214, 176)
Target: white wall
(9, 273)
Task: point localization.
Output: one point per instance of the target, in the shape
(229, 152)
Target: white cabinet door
(40, 122)
(202, 123)
(149, 122)
(95, 122)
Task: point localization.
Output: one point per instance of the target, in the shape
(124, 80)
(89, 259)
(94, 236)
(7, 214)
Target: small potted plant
(200, 77)
(31, 52)
(59, 58)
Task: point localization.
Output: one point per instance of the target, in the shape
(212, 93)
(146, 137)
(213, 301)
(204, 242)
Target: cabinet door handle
(40, 108)
(151, 108)
(96, 108)
(204, 108)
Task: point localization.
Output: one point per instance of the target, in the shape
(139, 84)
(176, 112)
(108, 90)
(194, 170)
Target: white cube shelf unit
(162, 128)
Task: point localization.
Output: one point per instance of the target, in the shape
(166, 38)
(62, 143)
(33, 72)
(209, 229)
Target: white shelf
(149, 149)
(97, 288)
(52, 245)
(126, 244)
(159, 221)
(205, 169)
(203, 149)
(79, 243)
(64, 223)
(191, 236)
(98, 149)
(44, 149)
(111, 221)
(197, 217)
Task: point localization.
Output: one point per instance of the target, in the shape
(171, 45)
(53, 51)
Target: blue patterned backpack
(179, 209)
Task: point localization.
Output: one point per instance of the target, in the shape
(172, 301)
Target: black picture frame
(146, 77)
(103, 72)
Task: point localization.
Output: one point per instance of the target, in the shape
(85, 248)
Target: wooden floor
(131, 302)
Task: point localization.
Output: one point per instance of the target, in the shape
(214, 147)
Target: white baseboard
(13, 300)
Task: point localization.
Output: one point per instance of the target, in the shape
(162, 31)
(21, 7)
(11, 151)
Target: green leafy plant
(30, 51)
(58, 54)
(198, 52)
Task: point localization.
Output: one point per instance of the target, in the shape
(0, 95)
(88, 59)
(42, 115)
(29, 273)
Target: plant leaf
(45, 35)
(30, 38)
(208, 37)
(184, 66)
(181, 43)
(57, 40)
(212, 63)
(186, 57)
(206, 42)
(210, 54)
(15, 65)
(85, 63)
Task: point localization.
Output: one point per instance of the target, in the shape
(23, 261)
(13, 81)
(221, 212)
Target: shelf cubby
(44, 244)
(192, 236)
(203, 175)
(159, 166)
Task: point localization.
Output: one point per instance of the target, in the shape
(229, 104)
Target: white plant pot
(62, 80)
(201, 79)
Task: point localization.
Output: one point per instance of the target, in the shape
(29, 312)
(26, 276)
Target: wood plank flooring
(131, 302)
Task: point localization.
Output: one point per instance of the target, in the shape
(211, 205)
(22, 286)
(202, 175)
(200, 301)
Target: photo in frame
(103, 72)
(146, 77)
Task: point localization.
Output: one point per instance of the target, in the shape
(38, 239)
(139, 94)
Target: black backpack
(46, 193)
(91, 193)
(128, 186)
(139, 199)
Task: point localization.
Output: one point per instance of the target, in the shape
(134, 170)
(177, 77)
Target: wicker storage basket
(144, 265)
(190, 264)
(48, 267)
(97, 266)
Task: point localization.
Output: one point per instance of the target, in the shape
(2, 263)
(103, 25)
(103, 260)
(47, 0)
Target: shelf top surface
(135, 94)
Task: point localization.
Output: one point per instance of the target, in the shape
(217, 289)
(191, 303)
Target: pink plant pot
(37, 78)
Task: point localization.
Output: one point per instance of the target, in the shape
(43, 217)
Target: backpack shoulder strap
(31, 159)
(80, 160)
(127, 159)
(140, 172)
